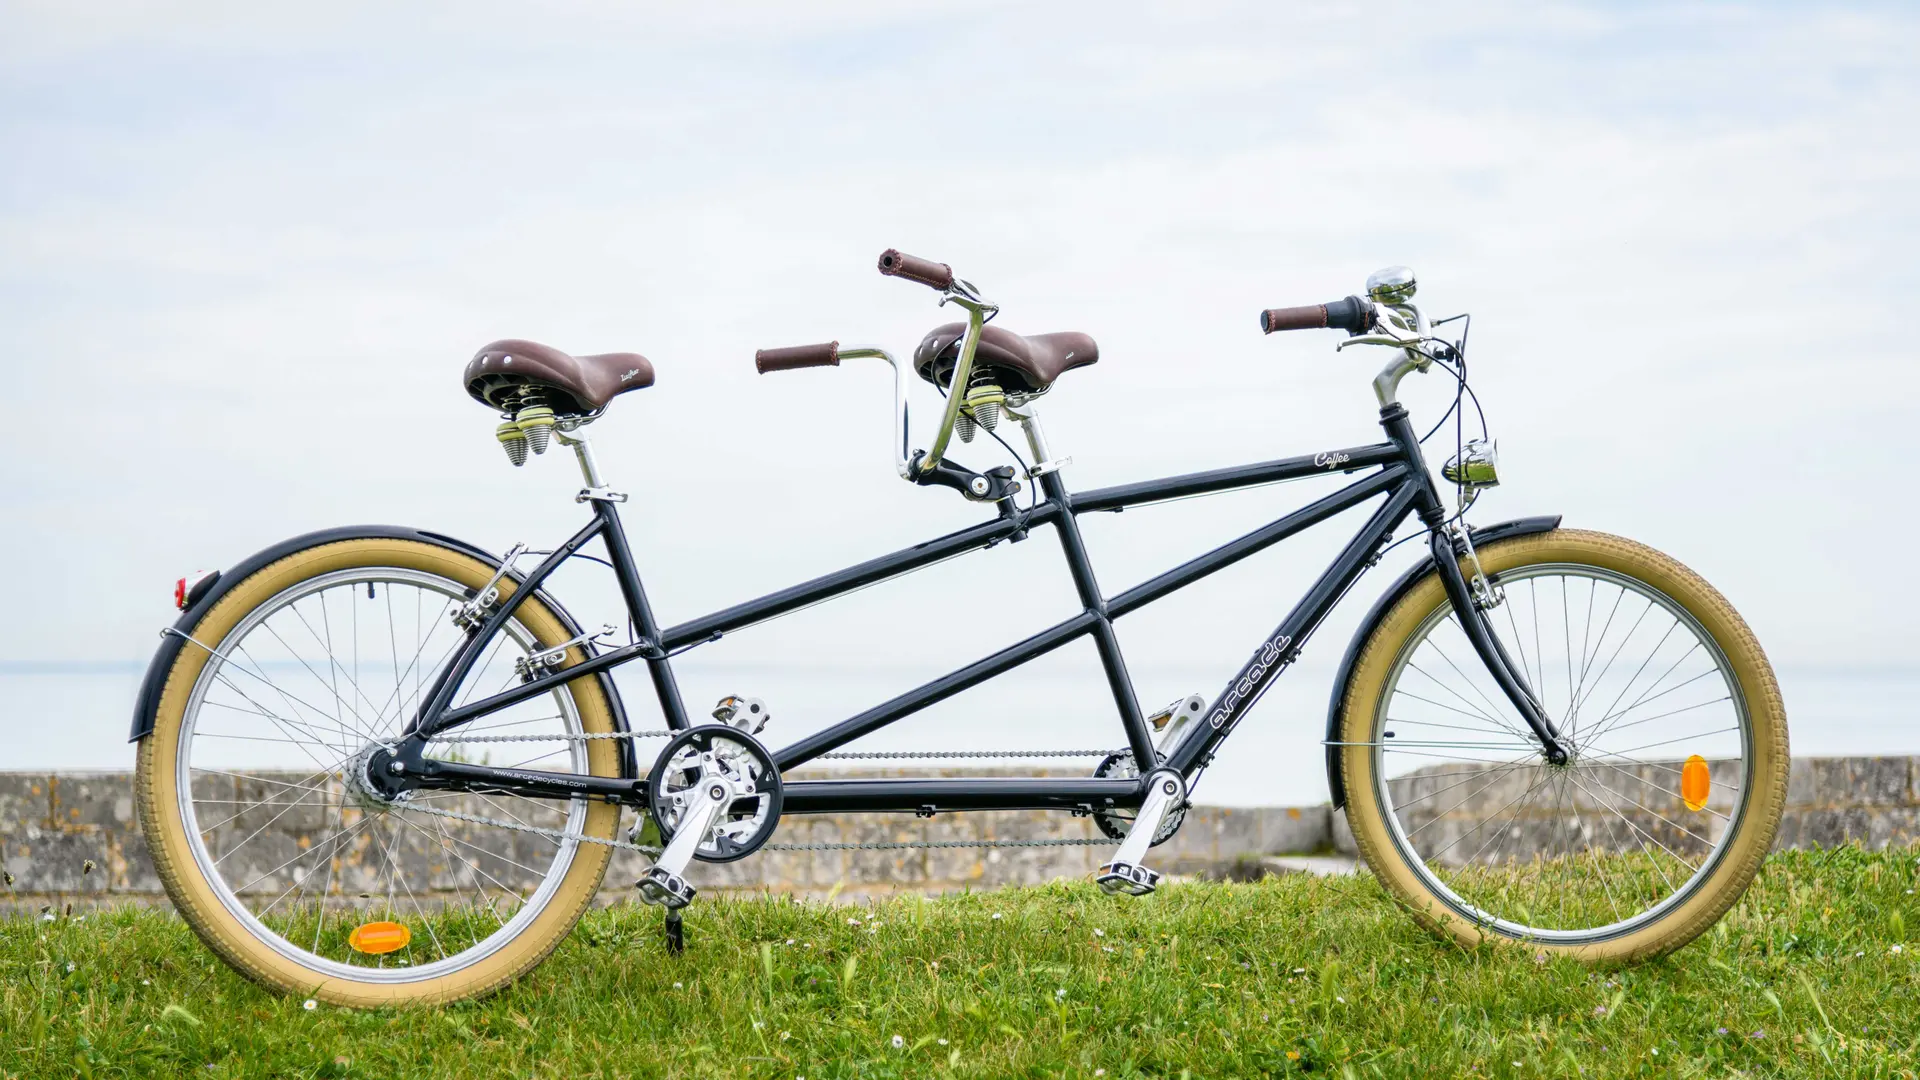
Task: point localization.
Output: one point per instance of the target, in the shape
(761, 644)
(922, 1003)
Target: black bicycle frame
(1399, 478)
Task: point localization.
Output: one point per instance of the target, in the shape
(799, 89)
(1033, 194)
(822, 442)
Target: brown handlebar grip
(1352, 314)
(1310, 317)
(925, 271)
(797, 356)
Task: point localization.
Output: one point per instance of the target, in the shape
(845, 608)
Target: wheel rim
(1607, 843)
(287, 705)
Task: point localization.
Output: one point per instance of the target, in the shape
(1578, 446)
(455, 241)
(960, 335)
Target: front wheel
(1677, 767)
(294, 868)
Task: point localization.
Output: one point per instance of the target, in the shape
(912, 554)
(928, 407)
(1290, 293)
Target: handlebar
(797, 356)
(1352, 314)
(925, 271)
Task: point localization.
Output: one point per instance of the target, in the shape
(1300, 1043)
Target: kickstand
(676, 935)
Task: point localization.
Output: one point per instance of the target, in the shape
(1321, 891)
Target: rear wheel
(287, 862)
(1677, 772)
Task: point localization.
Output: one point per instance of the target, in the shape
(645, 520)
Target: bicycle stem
(977, 311)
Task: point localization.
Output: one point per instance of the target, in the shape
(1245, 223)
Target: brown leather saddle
(1037, 360)
(499, 374)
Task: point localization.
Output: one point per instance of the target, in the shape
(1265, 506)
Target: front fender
(1526, 526)
(209, 593)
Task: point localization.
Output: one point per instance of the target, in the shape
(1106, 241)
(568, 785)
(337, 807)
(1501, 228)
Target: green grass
(1288, 976)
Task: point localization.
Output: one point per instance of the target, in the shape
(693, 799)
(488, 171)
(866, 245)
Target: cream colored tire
(1631, 785)
(213, 908)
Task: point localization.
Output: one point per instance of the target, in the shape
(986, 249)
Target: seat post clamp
(600, 494)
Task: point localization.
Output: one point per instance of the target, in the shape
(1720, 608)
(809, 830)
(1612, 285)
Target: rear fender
(208, 593)
(1505, 530)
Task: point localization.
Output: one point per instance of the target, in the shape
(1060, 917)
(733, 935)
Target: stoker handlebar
(925, 271)
(1353, 315)
(797, 356)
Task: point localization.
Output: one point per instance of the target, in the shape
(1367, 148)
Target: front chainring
(698, 752)
(1119, 766)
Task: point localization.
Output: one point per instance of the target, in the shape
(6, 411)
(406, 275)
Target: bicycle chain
(872, 755)
(876, 845)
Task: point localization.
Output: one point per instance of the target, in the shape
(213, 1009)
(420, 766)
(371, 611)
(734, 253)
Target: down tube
(1280, 650)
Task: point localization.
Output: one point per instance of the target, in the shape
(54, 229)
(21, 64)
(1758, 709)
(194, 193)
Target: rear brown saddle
(1035, 361)
(512, 374)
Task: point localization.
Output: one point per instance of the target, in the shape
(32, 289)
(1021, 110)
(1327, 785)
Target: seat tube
(659, 667)
(1139, 739)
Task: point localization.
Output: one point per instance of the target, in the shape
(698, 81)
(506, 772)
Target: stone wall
(74, 838)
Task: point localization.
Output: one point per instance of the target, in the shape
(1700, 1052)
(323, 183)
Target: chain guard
(691, 755)
(1119, 766)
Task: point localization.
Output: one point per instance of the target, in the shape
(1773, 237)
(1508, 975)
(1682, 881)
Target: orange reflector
(379, 937)
(1695, 782)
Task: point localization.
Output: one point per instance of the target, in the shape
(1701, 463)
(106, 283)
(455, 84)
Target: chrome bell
(1393, 285)
(1476, 467)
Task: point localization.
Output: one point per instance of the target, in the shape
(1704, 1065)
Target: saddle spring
(530, 427)
(980, 408)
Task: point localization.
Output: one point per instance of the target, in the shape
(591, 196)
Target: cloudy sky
(244, 253)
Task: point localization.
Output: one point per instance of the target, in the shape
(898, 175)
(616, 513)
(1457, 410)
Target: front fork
(1473, 621)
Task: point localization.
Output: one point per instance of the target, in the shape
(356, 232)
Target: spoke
(1391, 743)
(352, 682)
(1494, 713)
(326, 889)
(1664, 742)
(1657, 646)
(290, 698)
(1470, 774)
(394, 874)
(1610, 722)
(279, 722)
(269, 822)
(1593, 853)
(1519, 645)
(1587, 653)
(1664, 715)
(264, 779)
(1566, 633)
(476, 866)
(1471, 715)
(246, 806)
(1643, 836)
(1442, 757)
(397, 698)
(1539, 653)
(1653, 765)
(316, 737)
(1498, 775)
(1640, 805)
(296, 858)
(1617, 650)
(1450, 727)
(1657, 787)
(1536, 787)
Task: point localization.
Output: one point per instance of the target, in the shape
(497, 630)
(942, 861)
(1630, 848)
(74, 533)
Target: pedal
(748, 714)
(669, 890)
(1129, 878)
(1174, 719)
(1125, 872)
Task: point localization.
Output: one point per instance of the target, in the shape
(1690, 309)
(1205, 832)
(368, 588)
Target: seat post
(583, 452)
(1036, 439)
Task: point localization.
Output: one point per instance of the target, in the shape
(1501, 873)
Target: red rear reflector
(377, 938)
(180, 594)
(1696, 780)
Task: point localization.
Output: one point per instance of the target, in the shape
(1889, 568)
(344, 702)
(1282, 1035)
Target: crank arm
(665, 882)
(1493, 654)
